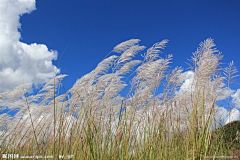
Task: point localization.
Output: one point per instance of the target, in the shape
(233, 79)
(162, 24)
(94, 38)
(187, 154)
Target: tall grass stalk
(165, 114)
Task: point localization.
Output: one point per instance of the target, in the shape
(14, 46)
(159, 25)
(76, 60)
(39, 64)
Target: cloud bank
(236, 98)
(222, 113)
(20, 62)
(233, 116)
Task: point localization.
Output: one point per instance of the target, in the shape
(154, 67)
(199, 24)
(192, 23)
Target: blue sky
(89, 30)
(93, 28)
(34, 34)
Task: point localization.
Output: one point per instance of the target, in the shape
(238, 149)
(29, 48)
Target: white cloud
(233, 116)
(224, 93)
(236, 98)
(21, 62)
(187, 86)
(221, 114)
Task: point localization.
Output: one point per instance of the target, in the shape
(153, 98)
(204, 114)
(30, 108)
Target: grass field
(126, 109)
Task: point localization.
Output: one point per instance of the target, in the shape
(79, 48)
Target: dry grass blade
(126, 109)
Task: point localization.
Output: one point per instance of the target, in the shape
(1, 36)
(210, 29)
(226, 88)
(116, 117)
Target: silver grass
(153, 52)
(125, 45)
(231, 73)
(157, 94)
(127, 56)
(12, 98)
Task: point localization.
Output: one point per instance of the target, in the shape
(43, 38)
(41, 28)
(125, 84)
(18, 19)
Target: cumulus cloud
(233, 116)
(236, 98)
(187, 87)
(21, 62)
(223, 115)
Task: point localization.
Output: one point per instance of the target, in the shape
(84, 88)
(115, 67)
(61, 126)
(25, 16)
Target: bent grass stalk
(93, 121)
